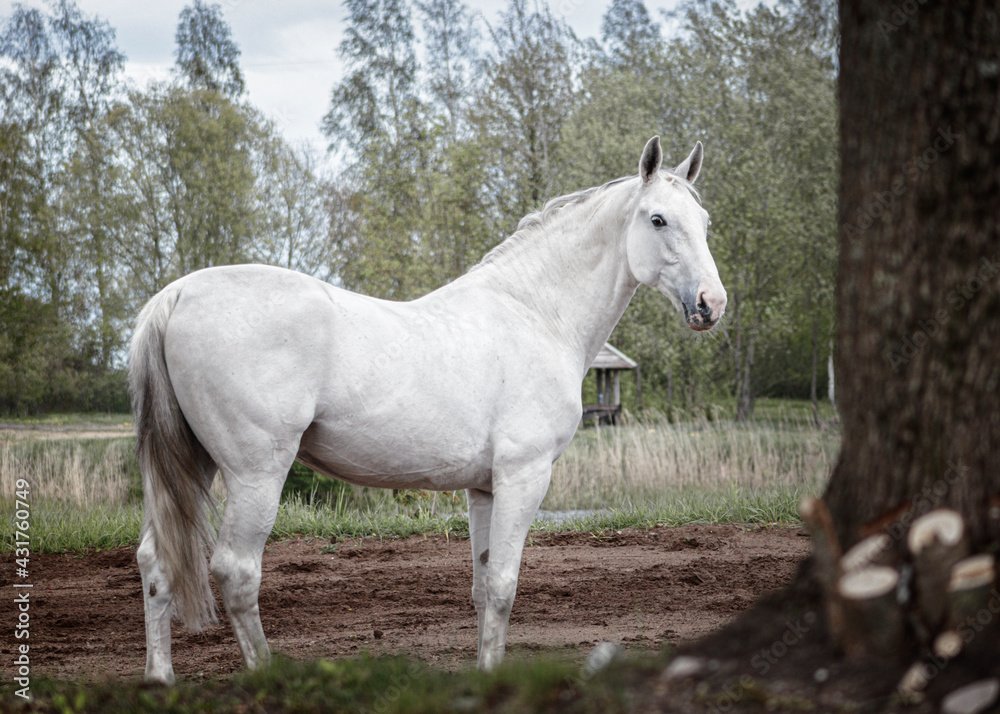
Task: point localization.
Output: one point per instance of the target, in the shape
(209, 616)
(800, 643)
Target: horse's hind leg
(251, 508)
(156, 597)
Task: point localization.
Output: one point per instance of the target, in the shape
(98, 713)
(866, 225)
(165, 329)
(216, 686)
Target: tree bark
(918, 353)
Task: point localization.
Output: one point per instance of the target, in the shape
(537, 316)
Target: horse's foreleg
(156, 597)
(480, 512)
(251, 508)
(516, 497)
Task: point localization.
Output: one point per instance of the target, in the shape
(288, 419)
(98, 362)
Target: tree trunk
(918, 352)
(744, 406)
(814, 400)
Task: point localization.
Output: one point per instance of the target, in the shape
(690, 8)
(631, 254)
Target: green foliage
(630, 37)
(306, 485)
(40, 370)
(766, 102)
(108, 194)
(451, 39)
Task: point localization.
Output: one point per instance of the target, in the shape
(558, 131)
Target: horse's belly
(384, 458)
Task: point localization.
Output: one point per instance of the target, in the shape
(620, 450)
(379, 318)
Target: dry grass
(642, 463)
(82, 472)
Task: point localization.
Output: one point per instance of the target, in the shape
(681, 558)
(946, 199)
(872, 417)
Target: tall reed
(82, 472)
(642, 462)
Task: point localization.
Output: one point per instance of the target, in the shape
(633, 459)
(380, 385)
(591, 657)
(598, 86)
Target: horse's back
(393, 394)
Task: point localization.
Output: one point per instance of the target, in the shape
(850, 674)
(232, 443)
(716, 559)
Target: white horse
(245, 369)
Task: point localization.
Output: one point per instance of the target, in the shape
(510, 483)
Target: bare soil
(641, 588)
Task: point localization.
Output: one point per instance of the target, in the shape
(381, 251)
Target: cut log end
(948, 644)
(970, 587)
(868, 583)
(937, 542)
(974, 572)
(818, 520)
(973, 698)
(913, 683)
(872, 618)
(874, 550)
(827, 552)
(942, 525)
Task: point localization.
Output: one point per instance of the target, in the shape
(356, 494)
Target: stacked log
(879, 596)
(936, 542)
(873, 621)
(934, 585)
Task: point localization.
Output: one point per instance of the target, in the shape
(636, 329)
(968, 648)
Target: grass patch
(758, 507)
(297, 517)
(385, 685)
(58, 527)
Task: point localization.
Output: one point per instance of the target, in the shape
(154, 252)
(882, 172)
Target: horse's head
(667, 239)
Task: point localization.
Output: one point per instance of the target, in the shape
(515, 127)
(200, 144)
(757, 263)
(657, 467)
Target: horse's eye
(658, 220)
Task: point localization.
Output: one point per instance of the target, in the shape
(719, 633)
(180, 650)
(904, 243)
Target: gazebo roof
(610, 358)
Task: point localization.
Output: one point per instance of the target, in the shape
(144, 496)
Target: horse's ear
(690, 167)
(652, 157)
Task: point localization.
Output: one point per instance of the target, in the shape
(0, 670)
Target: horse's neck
(573, 273)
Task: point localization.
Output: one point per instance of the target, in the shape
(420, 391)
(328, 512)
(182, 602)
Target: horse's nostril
(703, 309)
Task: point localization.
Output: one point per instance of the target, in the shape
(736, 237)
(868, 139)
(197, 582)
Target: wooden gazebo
(608, 366)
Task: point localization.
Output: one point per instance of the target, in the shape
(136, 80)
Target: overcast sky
(289, 47)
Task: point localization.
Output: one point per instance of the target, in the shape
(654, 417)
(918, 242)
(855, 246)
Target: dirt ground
(639, 588)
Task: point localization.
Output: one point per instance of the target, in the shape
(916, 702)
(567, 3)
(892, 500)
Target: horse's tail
(175, 469)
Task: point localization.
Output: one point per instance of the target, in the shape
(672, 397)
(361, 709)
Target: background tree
(630, 36)
(107, 194)
(92, 72)
(62, 318)
(293, 230)
(375, 116)
(376, 100)
(760, 72)
(207, 57)
(450, 35)
(459, 220)
(526, 97)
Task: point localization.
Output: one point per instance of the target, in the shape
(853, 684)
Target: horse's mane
(536, 220)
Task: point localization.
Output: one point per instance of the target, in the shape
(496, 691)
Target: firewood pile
(880, 596)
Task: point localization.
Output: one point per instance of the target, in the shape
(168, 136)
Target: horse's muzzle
(708, 310)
